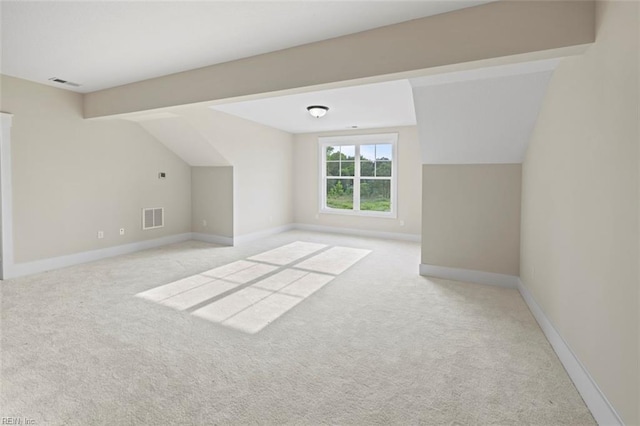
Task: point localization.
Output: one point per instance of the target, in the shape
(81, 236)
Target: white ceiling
(367, 106)
(484, 117)
(105, 44)
(181, 138)
(476, 116)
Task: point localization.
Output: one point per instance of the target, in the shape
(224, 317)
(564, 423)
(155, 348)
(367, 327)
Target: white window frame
(358, 140)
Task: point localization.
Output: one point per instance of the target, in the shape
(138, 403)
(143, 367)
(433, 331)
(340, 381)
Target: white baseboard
(28, 268)
(469, 275)
(213, 239)
(241, 239)
(357, 232)
(596, 401)
(600, 407)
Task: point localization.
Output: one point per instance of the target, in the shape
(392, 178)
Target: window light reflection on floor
(248, 295)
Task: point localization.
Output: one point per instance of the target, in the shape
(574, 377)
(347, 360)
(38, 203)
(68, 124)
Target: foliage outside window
(358, 174)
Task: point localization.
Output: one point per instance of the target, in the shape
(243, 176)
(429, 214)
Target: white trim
(364, 139)
(261, 234)
(358, 232)
(469, 275)
(37, 266)
(27, 268)
(594, 398)
(212, 238)
(357, 141)
(600, 407)
(6, 196)
(362, 213)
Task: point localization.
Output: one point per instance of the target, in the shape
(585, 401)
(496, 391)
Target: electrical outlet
(121, 231)
(204, 223)
(100, 235)
(402, 223)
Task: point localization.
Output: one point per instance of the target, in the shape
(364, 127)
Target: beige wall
(580, 207)
(73, 177)
(498, 30)
(212, 200)
(471, 217)
(262, 175)
(305, 168)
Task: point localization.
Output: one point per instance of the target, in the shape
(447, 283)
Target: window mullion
(356, 181)
(323, 189)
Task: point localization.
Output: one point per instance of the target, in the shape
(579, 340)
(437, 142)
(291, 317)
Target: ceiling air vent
(65, 82)
(152, 218)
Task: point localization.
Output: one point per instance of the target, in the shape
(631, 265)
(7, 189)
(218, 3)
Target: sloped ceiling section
(181, 138)
(495, 32)
(484, 117)
(103, 44)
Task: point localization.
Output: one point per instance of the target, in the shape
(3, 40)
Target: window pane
(333, 153)
(347, 168)
(340, 194)
(384, 152)
(367, 168)
(368, 152)
(375, 195)
(383, 168)
(348, 152)
(333, 168)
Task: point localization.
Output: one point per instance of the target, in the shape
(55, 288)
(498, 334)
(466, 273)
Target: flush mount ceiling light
(317, 110)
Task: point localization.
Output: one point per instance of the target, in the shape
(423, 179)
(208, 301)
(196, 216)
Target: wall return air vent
(152, 218)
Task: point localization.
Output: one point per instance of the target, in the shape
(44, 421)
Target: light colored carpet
(377, 344)
(271, 290)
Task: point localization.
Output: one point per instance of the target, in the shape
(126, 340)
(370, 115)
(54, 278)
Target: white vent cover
(152, 218)
(61, 81)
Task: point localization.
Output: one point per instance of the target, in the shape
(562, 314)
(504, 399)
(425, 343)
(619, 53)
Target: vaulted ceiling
(473, 79)
(104, 44)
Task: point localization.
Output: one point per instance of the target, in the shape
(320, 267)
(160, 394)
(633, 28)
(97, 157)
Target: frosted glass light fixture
(317, 111)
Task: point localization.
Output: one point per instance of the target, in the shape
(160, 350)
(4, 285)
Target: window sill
(361, 213)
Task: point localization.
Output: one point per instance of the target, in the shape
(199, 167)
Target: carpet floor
(371, 342)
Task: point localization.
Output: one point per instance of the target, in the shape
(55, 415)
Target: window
(358, 175)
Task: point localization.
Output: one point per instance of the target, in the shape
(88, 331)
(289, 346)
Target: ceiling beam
(473, 35)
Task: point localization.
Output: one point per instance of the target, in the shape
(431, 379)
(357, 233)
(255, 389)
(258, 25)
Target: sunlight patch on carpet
(335, 261)
(248, 295)
(198, 295)
(289, 253)
(168, 290)
(253, 308)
